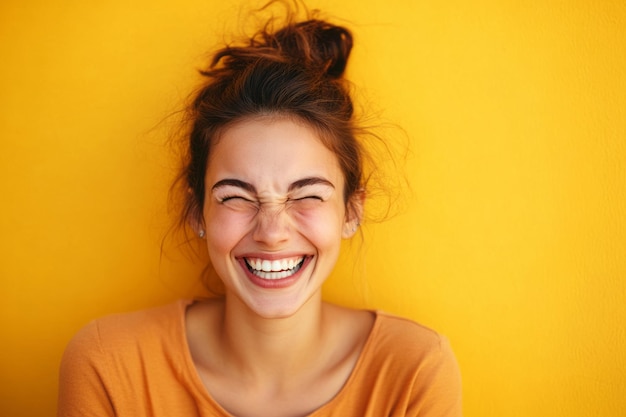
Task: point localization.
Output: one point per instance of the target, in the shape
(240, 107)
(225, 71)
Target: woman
(275, 182)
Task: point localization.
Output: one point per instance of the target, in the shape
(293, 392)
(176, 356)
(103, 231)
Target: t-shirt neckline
(194, 377)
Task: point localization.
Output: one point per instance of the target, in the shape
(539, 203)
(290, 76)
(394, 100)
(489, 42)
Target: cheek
(224, 229)
(322, 227)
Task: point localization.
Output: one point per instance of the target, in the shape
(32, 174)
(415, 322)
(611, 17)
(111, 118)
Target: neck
(262, 348)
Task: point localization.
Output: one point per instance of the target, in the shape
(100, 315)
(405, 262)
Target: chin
(279, 307)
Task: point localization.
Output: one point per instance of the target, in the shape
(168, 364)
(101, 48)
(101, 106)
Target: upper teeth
(276, 269)
(276, 265)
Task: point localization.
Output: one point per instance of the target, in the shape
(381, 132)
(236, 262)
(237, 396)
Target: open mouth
(276, 269)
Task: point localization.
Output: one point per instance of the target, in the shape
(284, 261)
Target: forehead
(271, 148)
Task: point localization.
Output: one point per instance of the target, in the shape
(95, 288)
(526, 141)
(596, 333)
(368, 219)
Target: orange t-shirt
(138, 364)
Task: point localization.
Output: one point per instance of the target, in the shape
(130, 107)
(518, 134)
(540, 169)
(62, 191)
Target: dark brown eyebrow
(304, 182)
(234, 183)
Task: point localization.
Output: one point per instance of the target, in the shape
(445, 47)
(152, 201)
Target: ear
(196, 221)
(354, 214)
(197, 225)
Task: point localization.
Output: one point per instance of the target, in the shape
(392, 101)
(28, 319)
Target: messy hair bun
(314, 44)
(295, 71)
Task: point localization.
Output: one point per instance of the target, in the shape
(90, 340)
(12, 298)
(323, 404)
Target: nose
(272, 226)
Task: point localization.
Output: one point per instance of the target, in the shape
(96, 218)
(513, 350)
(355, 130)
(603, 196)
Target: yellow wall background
(513, 242)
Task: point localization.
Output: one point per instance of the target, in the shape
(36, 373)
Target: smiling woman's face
(274, 214)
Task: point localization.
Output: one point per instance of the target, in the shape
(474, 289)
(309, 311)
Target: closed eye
(309, 197)
(239, 203)
(233, 197)
(307, 202)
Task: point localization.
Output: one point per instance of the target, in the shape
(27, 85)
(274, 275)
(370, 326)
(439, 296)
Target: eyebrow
(234, 183)
(304, 182)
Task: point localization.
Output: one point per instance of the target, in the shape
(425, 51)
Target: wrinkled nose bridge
(272, 221)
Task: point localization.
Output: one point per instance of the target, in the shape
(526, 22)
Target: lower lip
(274, 283)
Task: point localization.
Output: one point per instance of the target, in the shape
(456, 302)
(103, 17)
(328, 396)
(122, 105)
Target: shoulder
(412, 344)
(406, 348)
(125, 344)
(118, 332)
(128, 362)
(422, 358)
(398, 333)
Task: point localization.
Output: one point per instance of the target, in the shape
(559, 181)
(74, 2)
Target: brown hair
(296, 71)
